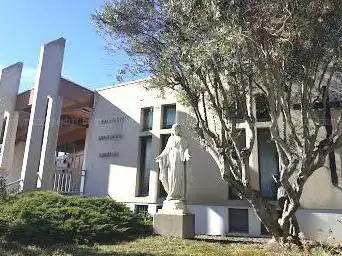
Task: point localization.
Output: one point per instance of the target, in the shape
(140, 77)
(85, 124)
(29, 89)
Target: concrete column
(154, 175)
(42, 133)
(9, 86)
(47, 159)
(85, 158)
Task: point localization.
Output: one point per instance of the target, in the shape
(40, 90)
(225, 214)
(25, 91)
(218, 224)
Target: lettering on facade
(110, 137)
(109, 154)
(114, 120)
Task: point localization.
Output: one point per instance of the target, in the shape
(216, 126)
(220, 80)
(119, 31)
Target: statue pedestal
(174, 220)
(179, 225)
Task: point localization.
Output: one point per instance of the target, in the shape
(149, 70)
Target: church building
(64, 137)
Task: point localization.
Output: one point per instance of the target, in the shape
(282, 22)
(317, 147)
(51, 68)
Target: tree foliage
(221, 54)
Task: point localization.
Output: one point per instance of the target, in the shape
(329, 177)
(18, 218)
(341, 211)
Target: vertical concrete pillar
(154, 175)
(85, 159)
(41, 141)
(9, 86)
(50, 139)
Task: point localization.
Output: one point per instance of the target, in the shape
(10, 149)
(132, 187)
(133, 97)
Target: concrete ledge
(182, 226)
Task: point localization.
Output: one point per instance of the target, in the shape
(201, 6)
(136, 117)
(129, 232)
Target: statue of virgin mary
(174, 165)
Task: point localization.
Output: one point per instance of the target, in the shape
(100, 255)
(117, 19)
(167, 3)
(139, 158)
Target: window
(262, 113)
(163, 138)
(239, 108)
(268, 164)
(146, 164)
(147, 118)
(141, 209)
(73, 147)
(169, 116)
(2, 133)
(233, 194)
(238, 220)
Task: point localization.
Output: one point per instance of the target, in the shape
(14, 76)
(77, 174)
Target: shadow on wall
(113, 155)
(113, 150)
(206, 184)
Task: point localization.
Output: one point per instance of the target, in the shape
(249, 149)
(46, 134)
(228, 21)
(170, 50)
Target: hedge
(48, 218)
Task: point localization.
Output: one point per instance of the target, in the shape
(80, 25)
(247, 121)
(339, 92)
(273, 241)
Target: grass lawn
(157, 246)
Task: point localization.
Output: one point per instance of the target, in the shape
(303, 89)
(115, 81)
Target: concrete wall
(319, 191)
(116, 176)
(207, 193)
(9, 85)
(17, 162)
(321, 225)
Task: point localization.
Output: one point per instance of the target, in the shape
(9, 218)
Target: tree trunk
(285, 228)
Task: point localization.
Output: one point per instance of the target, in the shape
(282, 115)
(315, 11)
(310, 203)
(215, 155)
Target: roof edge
(123, 84)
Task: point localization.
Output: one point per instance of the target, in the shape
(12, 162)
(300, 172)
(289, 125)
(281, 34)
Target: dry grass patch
(160, 246)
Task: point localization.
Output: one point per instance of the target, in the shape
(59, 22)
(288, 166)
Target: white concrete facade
(118, 111)
(30, 121)
(9, 86)
(43, 127)
(112, 165)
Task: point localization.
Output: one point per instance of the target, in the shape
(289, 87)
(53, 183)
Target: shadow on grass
(12, 248)
(231, 240)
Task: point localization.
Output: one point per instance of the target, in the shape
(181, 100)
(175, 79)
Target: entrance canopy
(77, 105)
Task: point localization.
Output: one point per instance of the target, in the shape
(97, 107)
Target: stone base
(172, 207)
(178, 225)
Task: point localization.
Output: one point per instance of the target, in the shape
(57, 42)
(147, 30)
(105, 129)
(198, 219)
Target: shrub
(47, 217)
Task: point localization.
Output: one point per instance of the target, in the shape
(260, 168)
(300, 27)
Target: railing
(65, 182)
(69, 180)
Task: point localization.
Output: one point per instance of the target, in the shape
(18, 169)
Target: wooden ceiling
(77, 107)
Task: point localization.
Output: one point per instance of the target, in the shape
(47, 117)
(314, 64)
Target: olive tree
(218, 55)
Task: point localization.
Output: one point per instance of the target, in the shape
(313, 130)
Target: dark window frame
(231, 227)
(274, 198)
(141, 209)
(261, 103)
(141, 173)
(163, 141)
(163, 123)
(232, 193)
(147, 125)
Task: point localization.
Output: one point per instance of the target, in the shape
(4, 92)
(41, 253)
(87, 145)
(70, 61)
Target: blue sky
(27, 24)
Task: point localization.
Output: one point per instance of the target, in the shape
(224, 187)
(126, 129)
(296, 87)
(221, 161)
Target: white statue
(174, 165)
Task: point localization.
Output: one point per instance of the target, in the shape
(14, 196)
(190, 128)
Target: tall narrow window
(239, 109)
(241, 140)
(268, 164)
(146, 164)
(2, 133)
(262, 113)
(164, 138)
(169, 116)
(147, 118)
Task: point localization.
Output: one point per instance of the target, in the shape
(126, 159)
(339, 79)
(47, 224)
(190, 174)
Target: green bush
(47, 217)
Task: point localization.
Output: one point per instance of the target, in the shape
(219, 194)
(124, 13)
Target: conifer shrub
(44, 218)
